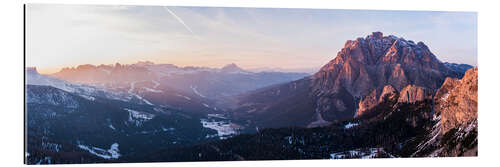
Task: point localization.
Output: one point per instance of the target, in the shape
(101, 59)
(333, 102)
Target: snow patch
(51, 146)
(361, 153)
(152, 90)
(156, 84)
(131, 91)
(47, 160)
(112, 127)
(206, 105)
(195, 90)
(185, 97)
(112, 153)
(88, 97)
(138, 117)
(223, 128)
(167, 129)
(350, 125)
(221, 116)
(445, 96)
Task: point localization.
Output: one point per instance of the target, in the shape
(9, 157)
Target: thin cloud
(181, 21)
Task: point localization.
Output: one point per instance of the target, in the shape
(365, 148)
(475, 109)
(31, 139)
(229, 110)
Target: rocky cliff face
(409, 94)
(366, 65)
(376, 97)
(455, 129)
(357, 77)
(382, 60)
(456, 101)
(413, 93)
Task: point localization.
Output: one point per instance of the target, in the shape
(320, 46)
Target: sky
(295, 39)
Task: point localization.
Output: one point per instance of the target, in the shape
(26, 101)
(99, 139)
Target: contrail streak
(181, 21)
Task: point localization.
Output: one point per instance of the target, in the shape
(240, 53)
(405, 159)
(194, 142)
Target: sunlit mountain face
(380, 97)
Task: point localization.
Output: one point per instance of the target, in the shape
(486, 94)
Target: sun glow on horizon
(59, 36)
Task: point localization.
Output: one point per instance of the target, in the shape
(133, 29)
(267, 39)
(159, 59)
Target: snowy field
(361, 153)
(224, 128)
(112, 153)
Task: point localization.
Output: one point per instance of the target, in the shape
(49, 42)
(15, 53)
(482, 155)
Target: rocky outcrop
(231, 68)
(388, 93)
(455, 129)
(413, 93)
(409, 94)
(376, 97)
(456, 100)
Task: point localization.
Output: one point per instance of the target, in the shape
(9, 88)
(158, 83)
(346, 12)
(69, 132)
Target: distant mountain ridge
(202, 81)
(460, 68)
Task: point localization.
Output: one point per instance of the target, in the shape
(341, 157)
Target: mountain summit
(231, 68)
(374, 62)
(362, 66)
(378, 60)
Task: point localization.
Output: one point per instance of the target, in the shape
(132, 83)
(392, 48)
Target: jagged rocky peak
(31, 70)
(388, 93)
(443, 92)
(92, 74)
(366, 65)
(231, 68)
(381, 60)
(456, 101)
(144, 63)
(86, 67)
(413, 93)
(376, 48)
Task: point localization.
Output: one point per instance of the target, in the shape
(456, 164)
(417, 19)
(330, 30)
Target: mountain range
(204, 82)
(381, 96)
(338, 90)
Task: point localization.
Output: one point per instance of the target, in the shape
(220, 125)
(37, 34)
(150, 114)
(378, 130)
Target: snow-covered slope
(83, 90)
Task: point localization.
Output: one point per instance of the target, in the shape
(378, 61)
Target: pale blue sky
(69, 35)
